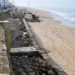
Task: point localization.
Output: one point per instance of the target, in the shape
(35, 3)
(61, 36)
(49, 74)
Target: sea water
(65, 15)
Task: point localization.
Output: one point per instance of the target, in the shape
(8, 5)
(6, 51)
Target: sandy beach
(57, 39)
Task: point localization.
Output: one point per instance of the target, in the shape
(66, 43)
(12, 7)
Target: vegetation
(7, 35)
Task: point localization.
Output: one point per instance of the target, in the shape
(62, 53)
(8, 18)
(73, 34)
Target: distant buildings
(5, 4)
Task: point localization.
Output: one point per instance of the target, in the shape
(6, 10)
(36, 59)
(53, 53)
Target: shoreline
(57, 17)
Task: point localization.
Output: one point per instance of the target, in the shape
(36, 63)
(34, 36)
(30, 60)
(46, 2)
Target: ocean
(65, 15)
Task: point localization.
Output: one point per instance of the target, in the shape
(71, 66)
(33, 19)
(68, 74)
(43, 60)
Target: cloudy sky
(46, 3)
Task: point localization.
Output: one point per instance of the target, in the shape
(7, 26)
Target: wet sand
(57, 39)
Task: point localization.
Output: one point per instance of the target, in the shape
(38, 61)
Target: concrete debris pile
(30, 17)
(31, 63)
(19, 35)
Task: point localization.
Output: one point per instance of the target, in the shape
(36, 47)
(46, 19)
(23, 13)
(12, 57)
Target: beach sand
(57, 39)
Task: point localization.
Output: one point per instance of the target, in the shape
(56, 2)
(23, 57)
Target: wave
(64, 15)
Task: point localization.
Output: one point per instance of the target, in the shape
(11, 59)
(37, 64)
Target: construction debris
(30, 17)
(31, 63)
(18, 38)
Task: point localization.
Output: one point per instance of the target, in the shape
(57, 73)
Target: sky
(46, 3)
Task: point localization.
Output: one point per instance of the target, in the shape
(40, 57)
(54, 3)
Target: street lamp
(4, 3)
(28, 3)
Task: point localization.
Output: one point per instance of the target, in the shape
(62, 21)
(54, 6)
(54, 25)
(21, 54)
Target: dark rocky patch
(31, 63)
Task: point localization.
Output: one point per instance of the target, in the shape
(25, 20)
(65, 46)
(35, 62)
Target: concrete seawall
(42, 50)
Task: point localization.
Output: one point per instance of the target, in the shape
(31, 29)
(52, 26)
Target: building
(5, 4)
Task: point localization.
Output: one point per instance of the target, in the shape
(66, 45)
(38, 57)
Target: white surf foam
(63, 15)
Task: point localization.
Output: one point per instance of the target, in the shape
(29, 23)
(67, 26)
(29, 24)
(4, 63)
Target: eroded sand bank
(58, 39)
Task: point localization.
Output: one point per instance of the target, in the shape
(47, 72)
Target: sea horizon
(65, 15)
